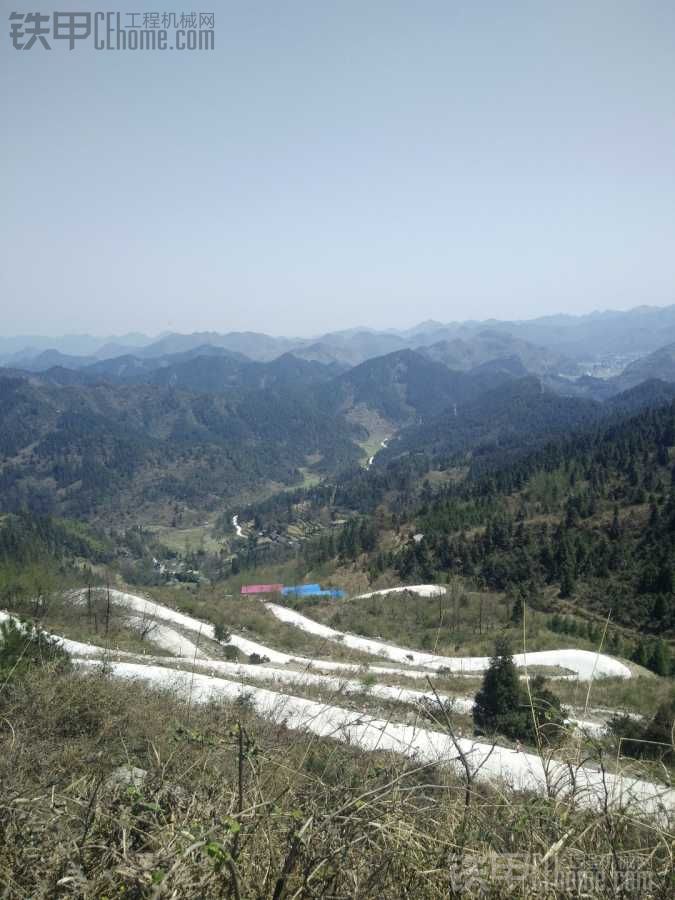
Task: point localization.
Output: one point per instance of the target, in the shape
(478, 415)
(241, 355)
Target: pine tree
(567, 580)
(659, 661)
(660, 609)
(615, 528)
(499, 704)
(518, 609)
(641, 654)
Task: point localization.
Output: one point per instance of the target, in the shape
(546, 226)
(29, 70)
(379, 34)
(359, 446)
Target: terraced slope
(203, 678)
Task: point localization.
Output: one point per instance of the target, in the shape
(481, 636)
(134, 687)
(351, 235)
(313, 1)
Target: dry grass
(93, 622)
(460, 623)
(249, 617)
(231, 806)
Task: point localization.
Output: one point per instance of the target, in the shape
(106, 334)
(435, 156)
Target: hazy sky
(341, 162)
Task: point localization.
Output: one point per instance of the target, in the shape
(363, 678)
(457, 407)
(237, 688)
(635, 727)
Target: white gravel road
(584, 663)
(521, 771)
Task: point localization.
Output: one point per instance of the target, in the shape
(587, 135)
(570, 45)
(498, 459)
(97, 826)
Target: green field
(187, 540)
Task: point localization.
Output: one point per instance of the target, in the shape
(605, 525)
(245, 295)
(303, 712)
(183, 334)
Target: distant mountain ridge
(23, 348)
(205, 369)
(402, 386)
(489, 345)
(659, 364)
(565, 338)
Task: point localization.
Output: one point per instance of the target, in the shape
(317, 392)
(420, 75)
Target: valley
(474, 507)
(337, 453)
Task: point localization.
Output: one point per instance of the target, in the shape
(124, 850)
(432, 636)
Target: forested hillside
(203, 429)
(494, 430)
(513, 415)
(592, 517)
(584, 524)
(203, 370)
(78, 450)
(401, 387)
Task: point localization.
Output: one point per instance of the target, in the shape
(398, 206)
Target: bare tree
(107, 607)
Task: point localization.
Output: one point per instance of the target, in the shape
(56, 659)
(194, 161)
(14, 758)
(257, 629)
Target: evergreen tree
(567, 580)
(518, 609)
(641, 654)
(659, 661)
(499, 704)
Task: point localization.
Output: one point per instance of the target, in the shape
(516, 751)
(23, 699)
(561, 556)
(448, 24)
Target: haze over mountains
(594, 356)
(548, 343)
(206, 418)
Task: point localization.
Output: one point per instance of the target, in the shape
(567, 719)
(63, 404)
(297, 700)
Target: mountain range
(207, 419)
(206, 427)
(558, 343)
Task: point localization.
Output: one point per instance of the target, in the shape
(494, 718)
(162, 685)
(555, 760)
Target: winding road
(222, 680)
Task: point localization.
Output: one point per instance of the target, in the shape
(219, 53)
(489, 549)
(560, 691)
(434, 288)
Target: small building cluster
(296, 590)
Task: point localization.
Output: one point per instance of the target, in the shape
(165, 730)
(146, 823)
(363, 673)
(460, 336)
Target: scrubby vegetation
(653, 739)
(461, 621)
(113, 790)
(23, 646)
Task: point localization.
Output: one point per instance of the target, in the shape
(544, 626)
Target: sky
(338, 163)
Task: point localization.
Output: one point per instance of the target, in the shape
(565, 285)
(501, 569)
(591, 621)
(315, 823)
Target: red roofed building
(261, 588)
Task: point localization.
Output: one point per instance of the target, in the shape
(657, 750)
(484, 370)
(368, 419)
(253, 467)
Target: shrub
(220, 633)
(23, 646)
(546, 718)
(631, 731)
(653, 740)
